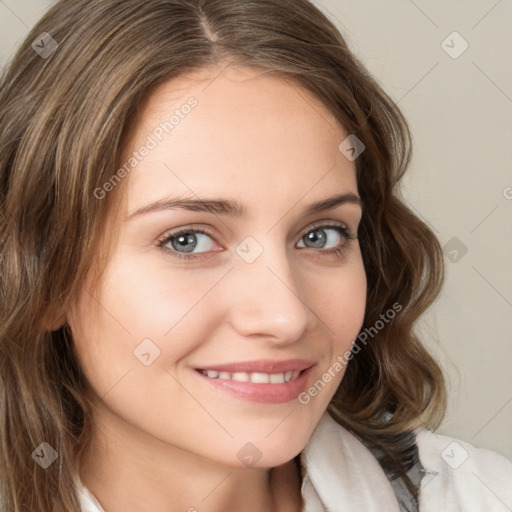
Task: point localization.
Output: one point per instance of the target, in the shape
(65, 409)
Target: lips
(263, 381)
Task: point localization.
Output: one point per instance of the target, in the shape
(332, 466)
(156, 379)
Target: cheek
(353, 302)
(144, 306)
(137, 312)
(344, 307)
(341, 303)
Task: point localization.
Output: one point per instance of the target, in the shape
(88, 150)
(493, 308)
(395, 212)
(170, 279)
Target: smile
(266, 382)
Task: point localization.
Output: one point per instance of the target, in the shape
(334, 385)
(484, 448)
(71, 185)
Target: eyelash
(337, 251)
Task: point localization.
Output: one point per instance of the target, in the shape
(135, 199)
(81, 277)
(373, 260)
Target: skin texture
(165, 440)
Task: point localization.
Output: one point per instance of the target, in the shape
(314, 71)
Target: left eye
(318, 236)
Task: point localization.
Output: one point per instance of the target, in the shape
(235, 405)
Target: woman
(209, 282)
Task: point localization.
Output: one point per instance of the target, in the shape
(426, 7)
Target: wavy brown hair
(62, 125)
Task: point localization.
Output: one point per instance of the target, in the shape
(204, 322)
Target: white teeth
(260, 378)
(276, 378)
(241, 377)
(256, 377)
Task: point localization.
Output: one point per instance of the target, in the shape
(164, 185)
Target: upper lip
(262, 365)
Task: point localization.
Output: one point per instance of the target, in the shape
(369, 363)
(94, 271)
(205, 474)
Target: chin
(267, 453)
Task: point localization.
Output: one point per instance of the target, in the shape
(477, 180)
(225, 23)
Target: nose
(266, 300)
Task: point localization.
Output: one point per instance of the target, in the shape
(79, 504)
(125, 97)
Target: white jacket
(342, 475)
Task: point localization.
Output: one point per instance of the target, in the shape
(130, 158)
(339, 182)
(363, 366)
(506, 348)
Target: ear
(57, 324)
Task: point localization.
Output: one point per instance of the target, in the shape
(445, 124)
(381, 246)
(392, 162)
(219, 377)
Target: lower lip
(262, 393)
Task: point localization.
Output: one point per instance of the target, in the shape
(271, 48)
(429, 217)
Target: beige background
(460, 112)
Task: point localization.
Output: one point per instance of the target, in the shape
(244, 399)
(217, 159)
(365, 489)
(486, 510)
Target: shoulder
(460, 476)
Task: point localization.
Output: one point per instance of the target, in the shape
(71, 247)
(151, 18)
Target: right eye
(187, 239)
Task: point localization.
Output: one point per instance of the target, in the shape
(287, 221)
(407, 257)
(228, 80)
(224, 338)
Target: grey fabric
(407, 502)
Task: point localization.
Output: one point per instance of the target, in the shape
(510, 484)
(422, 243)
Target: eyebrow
(234, 208)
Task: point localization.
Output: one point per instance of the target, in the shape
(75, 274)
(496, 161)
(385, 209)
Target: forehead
(235, 132)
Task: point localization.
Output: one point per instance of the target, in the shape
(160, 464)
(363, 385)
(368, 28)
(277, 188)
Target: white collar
(341, 474)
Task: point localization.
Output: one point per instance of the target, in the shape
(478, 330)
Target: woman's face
(260, 290)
